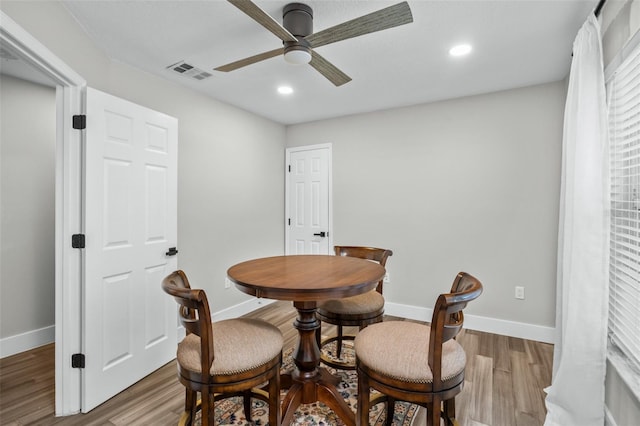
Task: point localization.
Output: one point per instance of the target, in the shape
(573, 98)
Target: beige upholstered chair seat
(421, 364)
(400, 349)
(223, 359)
(371, 301)
(356, 311)
(230, 335)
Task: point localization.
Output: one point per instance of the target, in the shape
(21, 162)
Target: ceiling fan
(299, 40)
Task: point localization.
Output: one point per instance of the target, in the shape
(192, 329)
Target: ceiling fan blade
(327, 69)
(383, 19)
(250, 60)
(264, 19)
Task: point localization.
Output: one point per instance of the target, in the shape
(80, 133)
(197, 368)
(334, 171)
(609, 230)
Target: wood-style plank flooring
(505, 378)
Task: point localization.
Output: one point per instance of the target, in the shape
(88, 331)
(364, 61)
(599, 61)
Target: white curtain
(576, 395)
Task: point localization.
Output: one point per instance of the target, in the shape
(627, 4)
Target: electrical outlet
(519, 292)
(387, 278)
(227, 283)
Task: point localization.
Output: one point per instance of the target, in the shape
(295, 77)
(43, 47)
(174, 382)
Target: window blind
(624, 139)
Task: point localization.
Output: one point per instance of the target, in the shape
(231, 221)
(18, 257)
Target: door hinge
(77, 361)
(80, 122)
(289, 221)
(289, 168)
(77, 241)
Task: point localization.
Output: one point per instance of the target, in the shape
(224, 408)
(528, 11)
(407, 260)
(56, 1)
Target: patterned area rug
(230, 412)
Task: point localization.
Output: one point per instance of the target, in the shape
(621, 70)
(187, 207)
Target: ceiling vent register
(187, 70)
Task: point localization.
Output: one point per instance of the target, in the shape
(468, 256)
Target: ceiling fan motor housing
(297, 18)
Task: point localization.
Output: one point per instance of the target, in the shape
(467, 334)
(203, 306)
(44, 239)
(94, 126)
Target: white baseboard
(240, 309)
(32, 339)
(474, 322)
(23, 342)
(35, 338)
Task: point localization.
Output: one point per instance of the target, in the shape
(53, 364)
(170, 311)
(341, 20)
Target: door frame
(70, 91)
(287, 163)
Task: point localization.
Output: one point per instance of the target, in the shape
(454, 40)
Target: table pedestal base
(321, 389)
(309, 382)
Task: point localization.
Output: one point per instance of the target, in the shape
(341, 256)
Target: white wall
(27, 156)
(230, 162)
(469, 184)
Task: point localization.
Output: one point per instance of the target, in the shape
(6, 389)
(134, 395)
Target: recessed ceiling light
(285, 90)
(460, 50)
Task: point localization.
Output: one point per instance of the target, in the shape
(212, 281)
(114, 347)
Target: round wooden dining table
(306, 279)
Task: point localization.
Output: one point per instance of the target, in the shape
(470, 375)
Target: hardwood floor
(504, 384)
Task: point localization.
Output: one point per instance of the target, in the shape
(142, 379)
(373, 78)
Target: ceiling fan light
(297, 56)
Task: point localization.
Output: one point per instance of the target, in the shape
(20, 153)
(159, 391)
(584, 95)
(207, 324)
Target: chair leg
(339, 342)
(449, 411)
(433, 412)
(190, 405)
(206, 411)
(362, 413)
(391, 409)
(246, 399)
(275, 415)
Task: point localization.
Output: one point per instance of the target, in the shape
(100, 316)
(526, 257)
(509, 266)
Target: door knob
(321, 234)
(172, 252)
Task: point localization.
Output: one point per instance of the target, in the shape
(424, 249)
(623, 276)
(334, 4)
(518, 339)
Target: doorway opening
(28, 116)
(70, 88)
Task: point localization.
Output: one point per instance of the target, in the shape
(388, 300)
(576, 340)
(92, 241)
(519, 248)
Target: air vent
(189, 70)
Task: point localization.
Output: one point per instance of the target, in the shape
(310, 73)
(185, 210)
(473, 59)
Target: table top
(306, 277)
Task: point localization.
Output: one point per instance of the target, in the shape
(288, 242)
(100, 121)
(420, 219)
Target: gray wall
(230, 162)
(484, 168)
(469, 184)
(27, 184)
(620, 23)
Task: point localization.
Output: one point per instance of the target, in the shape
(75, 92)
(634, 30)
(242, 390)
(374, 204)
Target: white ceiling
(516, 43)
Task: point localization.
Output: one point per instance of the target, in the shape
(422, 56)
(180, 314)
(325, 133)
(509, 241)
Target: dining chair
(223, 359)
(360, 311)
(417, 363)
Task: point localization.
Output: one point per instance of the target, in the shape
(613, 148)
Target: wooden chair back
(447, 319)
(194, 314)
(369, 253)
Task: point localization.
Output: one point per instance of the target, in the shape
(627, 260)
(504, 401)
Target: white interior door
(308, 200)
(129, 324)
